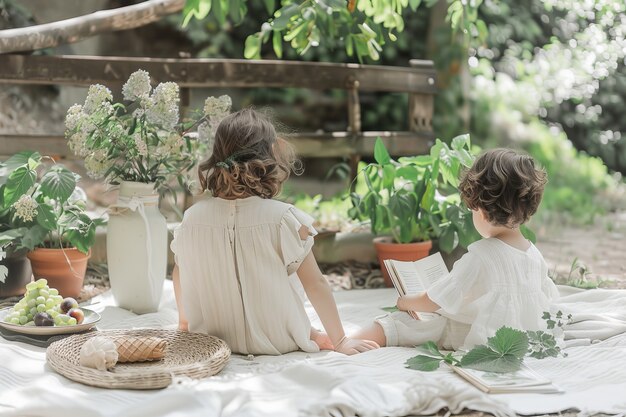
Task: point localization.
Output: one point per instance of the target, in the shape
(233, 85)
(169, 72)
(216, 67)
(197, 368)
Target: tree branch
(81, 27)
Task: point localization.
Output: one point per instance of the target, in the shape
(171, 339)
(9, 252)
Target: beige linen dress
(237, 261)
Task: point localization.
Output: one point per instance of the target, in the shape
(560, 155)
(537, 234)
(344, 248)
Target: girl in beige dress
(242, 257)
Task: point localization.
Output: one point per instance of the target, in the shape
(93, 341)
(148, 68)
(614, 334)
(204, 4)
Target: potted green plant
(413, 200)
(142, 146)
(15, 270)
(43, 214)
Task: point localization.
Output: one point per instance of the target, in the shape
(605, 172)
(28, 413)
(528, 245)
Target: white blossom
(162, 110)
(102, 112)
(77, 144)
(97, 95)
(140, 144)
(138, 112)
(74, 117)
(137, 86)
(172, 145)
(26, 208)
(97, 163)
(217, 106)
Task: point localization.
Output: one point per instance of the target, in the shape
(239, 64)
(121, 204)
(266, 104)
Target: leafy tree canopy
(361, 26)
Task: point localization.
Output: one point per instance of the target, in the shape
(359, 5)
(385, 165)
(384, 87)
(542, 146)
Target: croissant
(140, 349)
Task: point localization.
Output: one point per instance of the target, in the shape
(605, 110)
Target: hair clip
(222, 164)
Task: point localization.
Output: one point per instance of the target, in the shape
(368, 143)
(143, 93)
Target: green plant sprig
(504, 352)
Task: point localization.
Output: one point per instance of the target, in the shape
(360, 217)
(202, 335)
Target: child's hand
(349, 346)
(183, 326)
(403, 303)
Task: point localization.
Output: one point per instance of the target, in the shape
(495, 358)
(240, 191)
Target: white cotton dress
(237, 261)
(492, 285)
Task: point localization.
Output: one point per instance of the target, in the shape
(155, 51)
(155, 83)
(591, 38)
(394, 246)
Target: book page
(395, 279)
(430, 269)
(411, 283)
(417, 276)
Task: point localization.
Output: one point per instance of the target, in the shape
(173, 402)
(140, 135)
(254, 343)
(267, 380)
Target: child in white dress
(241, 257)
(501, 281)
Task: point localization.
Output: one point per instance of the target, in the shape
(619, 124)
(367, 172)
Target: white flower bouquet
(144, 140)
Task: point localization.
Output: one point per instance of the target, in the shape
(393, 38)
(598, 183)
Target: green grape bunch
(43, 306)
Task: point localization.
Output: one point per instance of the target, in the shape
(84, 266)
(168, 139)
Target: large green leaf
(33, 237)
(252, 48)
(420, 160)
(483, 358)
(423, 363)
(8, 236)
(21, 159)
(509, 341)
(461, 142)
(430, 348)
(380, 152)
(19, 182)
(468, 233)
(58, 183)
(407, 172)
(447, 239)
(196, 8)
(504, 352)
(69, 220)
(81, 239)
(46, 217)
(389, 175)
(428, 198)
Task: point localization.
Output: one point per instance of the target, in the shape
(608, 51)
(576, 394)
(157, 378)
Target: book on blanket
(523, 381)
(415, 277)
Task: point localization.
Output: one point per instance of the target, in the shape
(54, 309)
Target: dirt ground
(599, 250)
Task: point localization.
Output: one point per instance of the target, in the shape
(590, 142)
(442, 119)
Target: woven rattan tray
(193, 355)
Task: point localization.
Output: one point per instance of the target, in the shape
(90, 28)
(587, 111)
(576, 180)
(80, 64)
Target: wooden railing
(418, 81)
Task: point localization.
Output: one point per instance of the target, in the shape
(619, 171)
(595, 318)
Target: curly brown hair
(248, 159)
(506, 185)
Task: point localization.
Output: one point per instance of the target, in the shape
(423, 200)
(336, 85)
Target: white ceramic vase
(137, 248)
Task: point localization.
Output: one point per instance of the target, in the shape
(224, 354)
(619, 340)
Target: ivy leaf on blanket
(431, 361)
(504, 352)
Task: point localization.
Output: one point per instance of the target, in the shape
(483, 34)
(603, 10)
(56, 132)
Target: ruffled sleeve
(293, 248)
(458, 288)
(174, 243)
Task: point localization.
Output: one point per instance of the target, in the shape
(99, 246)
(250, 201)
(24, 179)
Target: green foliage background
(544, 75)
(518, 54)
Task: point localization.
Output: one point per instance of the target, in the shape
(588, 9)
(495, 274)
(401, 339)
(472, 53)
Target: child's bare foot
(322, 340)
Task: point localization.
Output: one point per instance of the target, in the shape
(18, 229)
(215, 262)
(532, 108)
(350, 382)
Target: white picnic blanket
(329, 384)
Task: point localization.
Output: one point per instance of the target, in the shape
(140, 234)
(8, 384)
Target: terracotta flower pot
(53, 265)
(18, 276)
(387, 249)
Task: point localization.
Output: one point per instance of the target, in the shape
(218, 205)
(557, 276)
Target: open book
(524, 380)
(415, 277)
